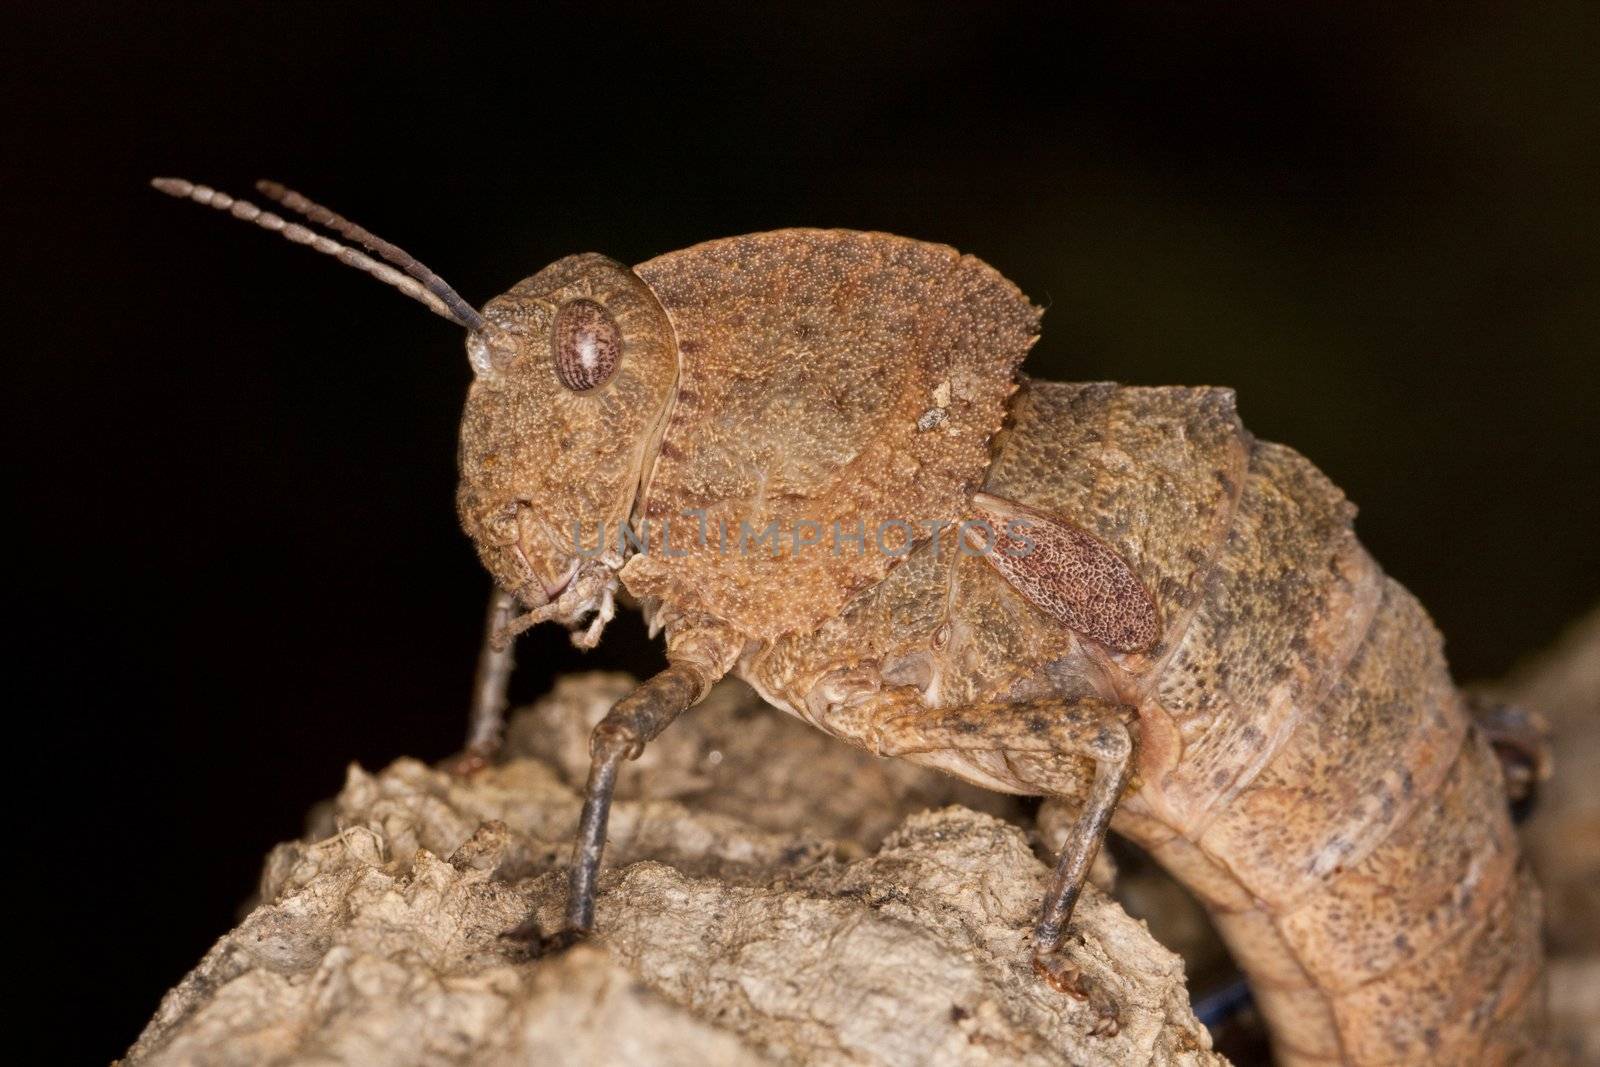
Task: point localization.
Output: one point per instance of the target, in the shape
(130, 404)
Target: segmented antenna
(373, 243)
(243, 209)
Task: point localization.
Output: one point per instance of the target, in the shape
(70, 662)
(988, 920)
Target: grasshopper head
(573, 370)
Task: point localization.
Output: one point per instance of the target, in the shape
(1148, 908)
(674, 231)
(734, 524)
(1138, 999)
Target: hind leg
(1521, 739)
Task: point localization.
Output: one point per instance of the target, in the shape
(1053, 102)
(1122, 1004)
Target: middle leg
(1048, 743)
(698, 655)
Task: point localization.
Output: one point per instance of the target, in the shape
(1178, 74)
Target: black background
(242, 569)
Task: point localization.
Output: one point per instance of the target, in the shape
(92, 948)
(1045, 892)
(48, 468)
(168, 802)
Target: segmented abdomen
(1325, 793)
(1307, 765)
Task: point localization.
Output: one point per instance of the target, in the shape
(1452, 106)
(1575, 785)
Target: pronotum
(825, 475)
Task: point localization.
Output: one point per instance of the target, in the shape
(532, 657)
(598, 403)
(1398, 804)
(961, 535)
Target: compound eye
(587, 345)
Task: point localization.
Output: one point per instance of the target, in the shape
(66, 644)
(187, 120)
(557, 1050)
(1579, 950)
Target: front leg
(490, 686)
(1042, 739)
(486, 721)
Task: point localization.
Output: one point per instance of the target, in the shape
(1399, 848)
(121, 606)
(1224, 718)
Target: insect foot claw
(537, 943)
(469, 762)
(1064, 976)
(1109, 1024)
(1061, 974)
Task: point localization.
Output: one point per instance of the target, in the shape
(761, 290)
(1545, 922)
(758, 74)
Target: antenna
(455, 309)
(373, 243)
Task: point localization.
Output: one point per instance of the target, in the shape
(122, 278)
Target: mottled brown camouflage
(1305, 764)
(1275, 713)
(808, 359)
(1201, 651)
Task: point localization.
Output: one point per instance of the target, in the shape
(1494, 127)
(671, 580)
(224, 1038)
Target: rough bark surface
(770, 896)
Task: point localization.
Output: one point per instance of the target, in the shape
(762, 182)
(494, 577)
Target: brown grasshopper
(809, 458)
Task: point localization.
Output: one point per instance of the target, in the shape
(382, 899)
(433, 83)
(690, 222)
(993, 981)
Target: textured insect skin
(1305, 764)
(1299, 755)
(1198, 651)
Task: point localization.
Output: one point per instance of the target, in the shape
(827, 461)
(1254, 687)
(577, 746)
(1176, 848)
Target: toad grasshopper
(809, 457)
